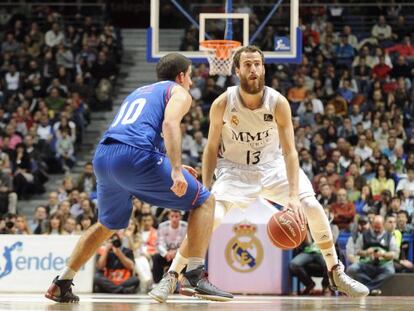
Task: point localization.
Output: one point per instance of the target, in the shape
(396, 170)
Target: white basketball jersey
(250, 137)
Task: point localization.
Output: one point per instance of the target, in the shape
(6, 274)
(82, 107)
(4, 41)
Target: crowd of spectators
(53, 72)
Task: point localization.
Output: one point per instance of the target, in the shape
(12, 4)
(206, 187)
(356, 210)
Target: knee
(293, 266)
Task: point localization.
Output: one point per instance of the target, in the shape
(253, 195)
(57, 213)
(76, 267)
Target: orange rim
(223, 47)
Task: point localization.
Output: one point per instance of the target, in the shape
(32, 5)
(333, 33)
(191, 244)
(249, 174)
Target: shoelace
(168, 284)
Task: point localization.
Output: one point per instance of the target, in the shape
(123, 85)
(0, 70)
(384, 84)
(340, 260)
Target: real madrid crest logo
(244, 252)
(234, 120)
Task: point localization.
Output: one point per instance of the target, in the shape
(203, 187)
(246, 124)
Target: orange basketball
(285, 230)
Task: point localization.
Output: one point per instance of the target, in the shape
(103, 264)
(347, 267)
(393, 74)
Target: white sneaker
(165, 287)
(341, 282)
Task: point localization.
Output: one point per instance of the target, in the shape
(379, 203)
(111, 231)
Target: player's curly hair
(248, 49)
(170, 65)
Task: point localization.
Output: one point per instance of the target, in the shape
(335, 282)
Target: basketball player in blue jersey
(140, 155)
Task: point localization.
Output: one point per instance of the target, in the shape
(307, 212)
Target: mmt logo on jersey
(13, 259)
(282, 44)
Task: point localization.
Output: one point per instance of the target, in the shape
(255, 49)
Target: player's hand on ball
(191, 170)
(295, 205)
(180, 185)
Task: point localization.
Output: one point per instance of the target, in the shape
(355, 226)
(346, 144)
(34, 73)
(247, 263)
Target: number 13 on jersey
(253, 157)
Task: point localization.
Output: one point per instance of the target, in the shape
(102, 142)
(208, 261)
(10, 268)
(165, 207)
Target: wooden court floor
(177, 303)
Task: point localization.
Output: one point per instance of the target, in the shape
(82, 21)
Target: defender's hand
(180, 185)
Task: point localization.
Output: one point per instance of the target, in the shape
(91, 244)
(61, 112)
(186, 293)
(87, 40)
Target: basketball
(285, 231)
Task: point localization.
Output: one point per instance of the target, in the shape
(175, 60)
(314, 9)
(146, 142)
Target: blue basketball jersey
(138, 122)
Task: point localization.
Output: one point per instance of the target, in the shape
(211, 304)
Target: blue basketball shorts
(123, 171)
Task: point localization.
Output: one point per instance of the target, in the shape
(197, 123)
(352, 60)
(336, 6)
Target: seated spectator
(353, 194)
(87, 181)
(149, 235)
(103, 68)
(84, 223)
(326, 196)
(402, 223)
(307, 263)
(407, 184)
(70, 225)
(346, 91)
(297, 93)
(381, 71)
(382, 182)
(343, 211)
(65, 124)
(88, 209)
(344, 53)
(21, 225)
(37, 225)
(10, 45)
(54, 36)
(53, 203)
(381, 30)
(369, 172)
(65, 150)
(390, 226)
(142, 261)
(352, 39)
(55, 225)
(331, 175)
(12, 79)
(115, 265)
(305, 158)
(401, 29)
(8, 198)
(23, 177)
(362, 149)
(404, 49)
(391, 144)
(363, 226)
(54, 101)
(365, 202)
(377, 249)
(170, 235)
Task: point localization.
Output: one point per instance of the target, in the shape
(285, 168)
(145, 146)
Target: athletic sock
(67, 274)
(178, 263)
(330, 256)
(194, 263)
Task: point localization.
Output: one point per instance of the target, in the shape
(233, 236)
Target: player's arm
(177, 107)
(213, 140)
(287, 141)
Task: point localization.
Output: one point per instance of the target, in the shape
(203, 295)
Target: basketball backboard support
(164, 36)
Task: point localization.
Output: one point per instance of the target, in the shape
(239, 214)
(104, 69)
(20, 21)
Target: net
(220, 55)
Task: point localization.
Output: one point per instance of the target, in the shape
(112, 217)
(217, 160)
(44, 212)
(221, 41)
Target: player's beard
(252, 86)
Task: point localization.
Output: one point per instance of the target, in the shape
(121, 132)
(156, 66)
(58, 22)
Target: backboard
(179, 25)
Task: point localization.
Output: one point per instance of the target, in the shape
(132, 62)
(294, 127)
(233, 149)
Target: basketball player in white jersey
(251, 131)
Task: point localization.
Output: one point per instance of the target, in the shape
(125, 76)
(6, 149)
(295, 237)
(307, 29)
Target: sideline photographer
(8, 224)
(115, 265)
(377, 249)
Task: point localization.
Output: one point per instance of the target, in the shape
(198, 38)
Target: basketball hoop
(220, 55)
